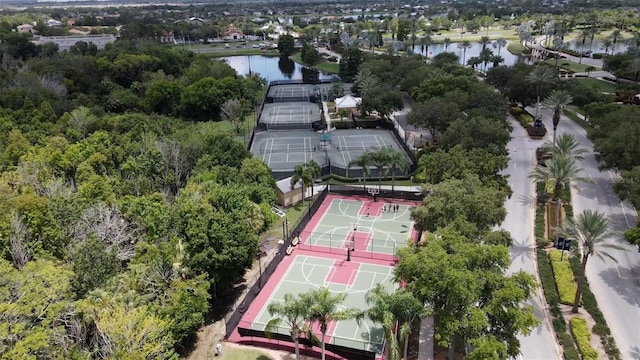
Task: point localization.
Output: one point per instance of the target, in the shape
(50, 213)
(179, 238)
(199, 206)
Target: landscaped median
(526, 120)
(582, 335)
(563, 276)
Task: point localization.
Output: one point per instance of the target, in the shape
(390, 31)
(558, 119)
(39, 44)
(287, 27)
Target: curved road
(541, 344)
(616, 285)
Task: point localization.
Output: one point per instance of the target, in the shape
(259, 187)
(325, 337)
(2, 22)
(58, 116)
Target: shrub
(598, 56)
(516, 110)
(563, 275)
(581, 333)
(332, 59)
(526, 118)
(536, 132)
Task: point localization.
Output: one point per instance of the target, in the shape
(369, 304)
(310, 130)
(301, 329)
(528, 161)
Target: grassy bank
(324, 66)
(570, 65)
(238, 52)
(599, 85)
(516, 48)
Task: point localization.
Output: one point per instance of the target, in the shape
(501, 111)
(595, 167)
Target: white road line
(270, 150)
(625, 215)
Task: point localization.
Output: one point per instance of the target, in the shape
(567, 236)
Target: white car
(255, 46)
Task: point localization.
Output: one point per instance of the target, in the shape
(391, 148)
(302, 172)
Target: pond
(576, 44)
(275, 68)
(474, 50)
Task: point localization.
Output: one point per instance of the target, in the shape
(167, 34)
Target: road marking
(620, 275)
(590, 177)
(625, 215)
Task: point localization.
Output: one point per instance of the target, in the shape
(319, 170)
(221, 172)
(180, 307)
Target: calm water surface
(275, 68)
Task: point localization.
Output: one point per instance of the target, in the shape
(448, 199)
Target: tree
(397, 160)
(301, 176)
(557, 101)
(325, 308)
(464, 45)
(465, 286)
(613, 136)
(365, 81)
(293, 313)
(540, 76)
(350, 63)
(557, 173)
(434, 115)
(606, 45)
(565, 145)
(499, 44)
(363, 161)
(446, 41)
(234, 111)
(466, 199)
(396, 313)
(384, 100)
(484, 41)
(615, 35)
(93, 265)
(589, 234)
(286, 45)
(477, 132)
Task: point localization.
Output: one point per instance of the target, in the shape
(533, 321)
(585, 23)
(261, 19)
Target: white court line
(270, 151)
(343, 157)
(274, 291)
(287, 152)
(377, 137)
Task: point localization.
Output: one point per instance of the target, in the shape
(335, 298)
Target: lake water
(474, 50)
(576, 44)
(275, 68)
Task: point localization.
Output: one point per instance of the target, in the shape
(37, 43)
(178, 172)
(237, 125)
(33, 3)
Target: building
(54, 23)
(233, 33)
(26, 29)
(66, 42)
(287, 196)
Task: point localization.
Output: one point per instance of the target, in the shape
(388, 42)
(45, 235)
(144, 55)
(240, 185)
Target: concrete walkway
(425, 345)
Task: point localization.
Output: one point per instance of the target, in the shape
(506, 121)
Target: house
(54, 23)
(233, 33)
(348, 102)
(66, 42)
(26, 29)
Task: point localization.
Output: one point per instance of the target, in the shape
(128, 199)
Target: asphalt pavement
(616, 286)
(541, 344)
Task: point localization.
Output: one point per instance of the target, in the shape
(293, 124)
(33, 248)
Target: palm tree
(584, 34)
(635, 69)
(379, 158)
(565, 145)
(466, 44)
(606, 45)
(592, 33)
(365, 81)
(474, 61)
(540, 76)
(323, 308)
(499, 44)
(589, 233)
(496, 60)
(314, 171)
(615, 35)
(380, 311)
(447, 41)
(301, 176)
(557, 46)
(557, 101)
(363, 161)
(425, 41)
(484, 41)
(485, 57)
(556, 174)
(292, 313)
(397, 161)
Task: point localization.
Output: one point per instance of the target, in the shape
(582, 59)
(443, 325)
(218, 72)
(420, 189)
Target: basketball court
(347, 247)
(283, 150)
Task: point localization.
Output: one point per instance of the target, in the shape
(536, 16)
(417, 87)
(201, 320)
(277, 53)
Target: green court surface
(375, 228)
(353, 278)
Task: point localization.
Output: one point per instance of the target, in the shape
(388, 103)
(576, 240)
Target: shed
(348, 102)
(286, 195)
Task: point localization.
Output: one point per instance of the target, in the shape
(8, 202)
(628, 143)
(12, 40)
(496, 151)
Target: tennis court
(290, 115)
(290, 91)
(283, 150)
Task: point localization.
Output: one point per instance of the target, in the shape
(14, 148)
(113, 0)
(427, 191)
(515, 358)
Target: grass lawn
(244, 354)
(325, 66)
(569, 65)
(238, 52)
(292, 214)
(515, 47)
(600, 85)
(571, 114)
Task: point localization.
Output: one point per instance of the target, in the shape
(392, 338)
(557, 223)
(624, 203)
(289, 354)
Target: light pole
(260, 267)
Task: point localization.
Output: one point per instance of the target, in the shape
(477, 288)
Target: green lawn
(600, 85)
(516, 48)
(243, 354)
(569, 65)
(326, 66)
(239, 52)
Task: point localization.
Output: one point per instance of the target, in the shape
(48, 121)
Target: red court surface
(343, 272)
(371, 208)
(360, 239)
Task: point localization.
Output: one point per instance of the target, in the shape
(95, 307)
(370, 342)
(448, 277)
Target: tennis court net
(289, 149)
(292, 111)
(360, 147)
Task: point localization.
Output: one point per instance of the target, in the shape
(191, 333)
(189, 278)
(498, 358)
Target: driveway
(615, 286)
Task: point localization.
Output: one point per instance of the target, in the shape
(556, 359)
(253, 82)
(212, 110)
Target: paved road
(616, 286)
(541, 343)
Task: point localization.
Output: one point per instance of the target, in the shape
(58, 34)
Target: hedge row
(551, 294)
(549, 287)
(590, 304)
(526, 120)
(581, 333)
(563, 275)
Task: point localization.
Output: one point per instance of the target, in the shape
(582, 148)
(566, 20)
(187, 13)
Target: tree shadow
(623, 280)
(526, 200)
(521, 251)
(635, 353)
